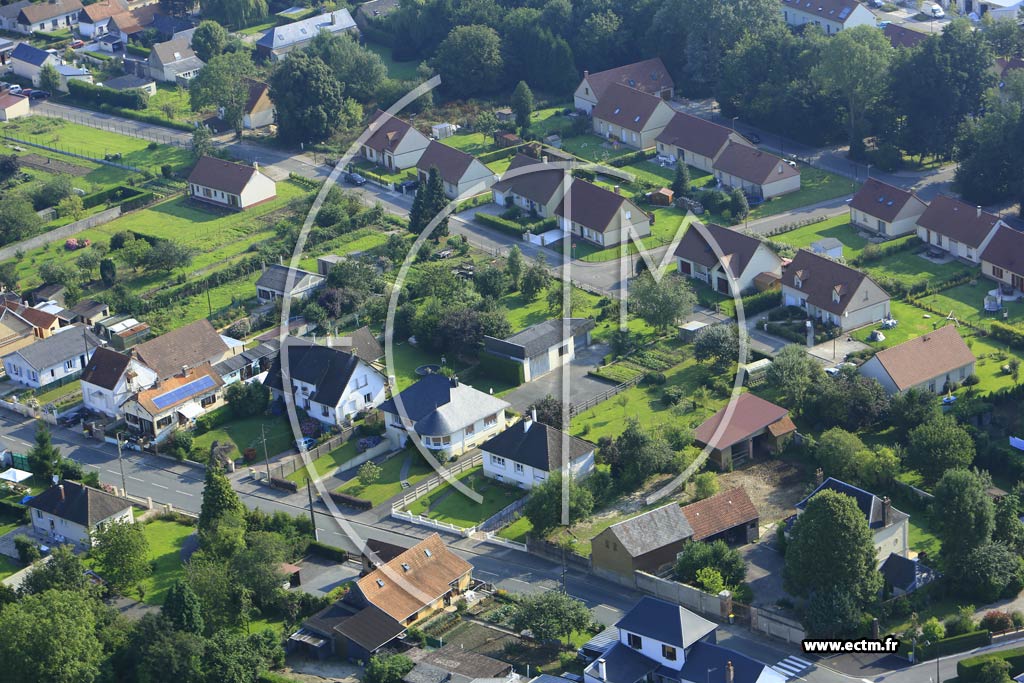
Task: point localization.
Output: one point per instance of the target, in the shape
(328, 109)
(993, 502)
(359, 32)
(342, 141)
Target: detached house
(661, 642)
(60, 358)
(889, 527)
(541, 348)
(93, 19)
(229, 185)
(43, 323)
(444, 414)
(1003, 260)
(174, 61)
(959, 229)
(462, 173)
(395, 144)
(331, 385)
(759, 174)
(52, 15)
(833, 293)
(15, 331)
(931, 361)
(696, 141)
(831, 15)
(647, 542)
(633, 117)
(535, 189)
(416, 584)
(884, 209)
(176, 402)
(649, 76)
(28, 62)
(69, 512)
(111, 378)
(729, 516)
(600, 216)
(526, 453)
(274, 284)
(280, 40)
(259, 109)
(745, 429)
(744, 258)
(13, 106)
(185, 347)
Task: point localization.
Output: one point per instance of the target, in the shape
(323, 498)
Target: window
(491, 420)
(163, 422)
(324, 411)
(498, 461)
(668, 652)
(39, 514)
(367, 398)
(470, 429)
(69, 364)
(563, 350)
(519, 468)
(208, 401)
(634, 641)
(446, 440)
(997, 272)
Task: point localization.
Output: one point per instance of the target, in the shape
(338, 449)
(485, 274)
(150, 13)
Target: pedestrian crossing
(792, 667)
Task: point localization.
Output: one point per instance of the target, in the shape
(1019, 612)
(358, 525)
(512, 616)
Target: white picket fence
(432, 523)
(436, 481)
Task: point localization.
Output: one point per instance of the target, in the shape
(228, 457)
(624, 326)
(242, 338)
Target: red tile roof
(391, 132)
(1006, 250)
(750, 416)
(821, 276)
(626, 107)
(594, 206)
(753, 165)
(923, 358)
(903, 37)
(737, 248)
(451, 163)
(221, 175)
(958, 220)
(8, 99)
(649, 75)
(720, 512)
(880, 200)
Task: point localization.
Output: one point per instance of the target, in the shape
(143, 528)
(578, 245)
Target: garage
(539, 365)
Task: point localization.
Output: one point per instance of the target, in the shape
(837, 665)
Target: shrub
(28, 552)
(351, 501)
(286, 484)
(501, 224)
(762, 301)
(1008, 334)
(655, 378)
(328, 551)
(98, 95)
(632, 157)
(672, 395)
(971, 380)
(714, 201)
(997, 621)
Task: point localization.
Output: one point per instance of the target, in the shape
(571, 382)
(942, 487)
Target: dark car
(409, 185)
(354, 179)
(39, 95)
(753, 137)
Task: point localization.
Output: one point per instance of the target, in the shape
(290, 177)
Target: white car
(937, 11)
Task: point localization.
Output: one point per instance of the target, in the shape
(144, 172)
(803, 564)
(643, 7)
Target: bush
(1008, 334)
(960, 643)
(632, 157)
(968, 669)
(501, 224)
(714, 201)
(351, 501)
(997, 621)
(971, 380)
(672, 395)
(286, 484)
(213, 419)
(655, 378)
(98, 95)
(761, 302)
(28, 552)
(328, 551)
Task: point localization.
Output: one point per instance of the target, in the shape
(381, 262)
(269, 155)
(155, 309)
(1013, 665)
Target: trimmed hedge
(968, 669)
(328, 551)
(498, 154)
(761, 302)
(97, 95)
(286, 484)
(213, 419)
(503, 369)
(303, 181)
(9, 508)
(1008, 334)
(960, 643)
(502, 224)
(351, 501)
(121, 194)
(633, 157)
(137, 50)
(155, 119)
(875, 252)
(271, 677)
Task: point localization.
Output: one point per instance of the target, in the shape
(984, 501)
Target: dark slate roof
(370, 628)
(958, 220)
(869, 503)
(538, 338)
(537, 445)
(275, 278)
(263, 350)
(299, 31)
(80, 504)
(69, 342)
(190, 345)
(324, 621)
(87, 308)
(456, 660)
(899, 572)
(737, 248)
(439, 405)
(649, 75)
(665, 622)
(363, 343)
(708, 661)
(167, 26)
(626, 107)
(538, 185)
(221, 175)
(601, 642)
(328, 369)
(1006, 250)
(27, 53)
(821, 276)
(652, 530)
(384, 551)
(105, 368)
(833, 10)
(127, 82)
(594, 206)
(623, 663)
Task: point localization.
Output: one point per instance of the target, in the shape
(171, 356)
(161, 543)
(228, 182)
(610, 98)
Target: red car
(77, 44)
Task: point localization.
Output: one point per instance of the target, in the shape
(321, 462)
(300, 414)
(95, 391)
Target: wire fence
(143, 131)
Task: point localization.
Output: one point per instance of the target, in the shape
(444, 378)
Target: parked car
(876, 3)
(354, 179)
(408, 186)
(305, 444)
(937, 11)
(39, 95)
(16, 90)
(77, 44)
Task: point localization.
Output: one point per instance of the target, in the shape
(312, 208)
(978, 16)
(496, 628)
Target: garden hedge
(761, 302)
(501, 224)
(633, 157)
(286, 484)
(502, 369)
(960, 643)
(15, 510)
(328, 551)
(968, 669)
(351, 501)
(1008, 334)
(498, 154)
(155, 119)
(213, 419)
(97, 95)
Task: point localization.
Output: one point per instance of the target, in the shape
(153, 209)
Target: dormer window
(634, 641)
(668, 652)
(835, 296)
(797, 282)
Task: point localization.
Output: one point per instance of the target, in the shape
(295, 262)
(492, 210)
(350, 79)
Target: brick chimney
(886, 511)
(730, 673)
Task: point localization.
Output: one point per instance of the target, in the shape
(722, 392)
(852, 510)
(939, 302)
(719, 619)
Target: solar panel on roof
(183, 392)
(845, 12)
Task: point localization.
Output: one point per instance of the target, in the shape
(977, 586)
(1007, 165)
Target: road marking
(520, 581)
(159, 486)
(112, 471)
(184, 493)
(134, 478)
(791, 666)
(89, 464)
(481, 571)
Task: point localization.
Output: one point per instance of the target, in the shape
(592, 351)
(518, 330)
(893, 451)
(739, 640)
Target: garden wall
(61, 233)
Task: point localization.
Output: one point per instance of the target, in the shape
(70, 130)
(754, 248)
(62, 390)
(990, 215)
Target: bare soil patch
(774, 487)
(41, 163)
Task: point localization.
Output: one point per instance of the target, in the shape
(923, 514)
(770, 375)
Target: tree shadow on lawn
(184, 209)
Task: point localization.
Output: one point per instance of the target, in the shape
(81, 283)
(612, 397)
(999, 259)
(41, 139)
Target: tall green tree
(224, 84)
(469, 61)
(182, 608)
(550, 615)
(388, 668)
(219, 499)
(794, 372)
(636, 454)
(522, 104)
(939, 445)
(235, 13)
(202, 142)
(43, 457)
(963, 512)
(535, 279)
(912, 408)
(209, 40)
(728, 562)
(544, 507)
(718, 345)
(838, 451)
(360, 69)
(831, 550)
(851, 67)
(681, 180)
(222, 600)
(121, 553)
(309, 99)
(514, 267)
(661, 304)
(49, 79)
(17, 217)
(64, 572)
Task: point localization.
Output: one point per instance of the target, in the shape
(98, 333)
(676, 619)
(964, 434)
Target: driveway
(582, 386)
(835, 351)
(764, 571)
(320, 576)
(7, 540)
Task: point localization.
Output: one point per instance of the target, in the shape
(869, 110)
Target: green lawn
(838, 227)
(910, 268)
(815, 186)
(51, 395)
(517, 530)
(500, 166)
(967, 303)
(171, 99)
(363, 239)
(594, 148)
(389, 484)
(407, 359)
(8, 566)
(471, 143)
(544, 122)
(245, 432)
(166, 539)
(583, 532)
(402, 71)
(325, 464)
(447, 504)
(396, 177)
(96, 143)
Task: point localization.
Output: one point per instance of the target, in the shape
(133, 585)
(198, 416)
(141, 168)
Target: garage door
(580, 341)
(723, 285)
(539, 365)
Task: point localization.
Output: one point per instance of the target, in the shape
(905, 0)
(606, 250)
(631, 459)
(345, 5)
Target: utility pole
(312, 515)
(266, 458)
(120, 463)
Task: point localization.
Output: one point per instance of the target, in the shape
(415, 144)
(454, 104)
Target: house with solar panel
(174, 403)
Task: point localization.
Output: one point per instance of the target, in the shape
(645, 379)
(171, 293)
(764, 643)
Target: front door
(1017, 281)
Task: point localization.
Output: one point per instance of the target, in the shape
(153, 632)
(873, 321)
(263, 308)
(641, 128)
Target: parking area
(764, 571)
(320, 576)
(7, 540)
(582, 386)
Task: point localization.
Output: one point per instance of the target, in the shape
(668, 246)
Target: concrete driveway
(764, 571)
(582, 386)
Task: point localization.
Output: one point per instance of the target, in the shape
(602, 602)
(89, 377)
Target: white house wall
(651, 649)
(259, 188)
(525, 476)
